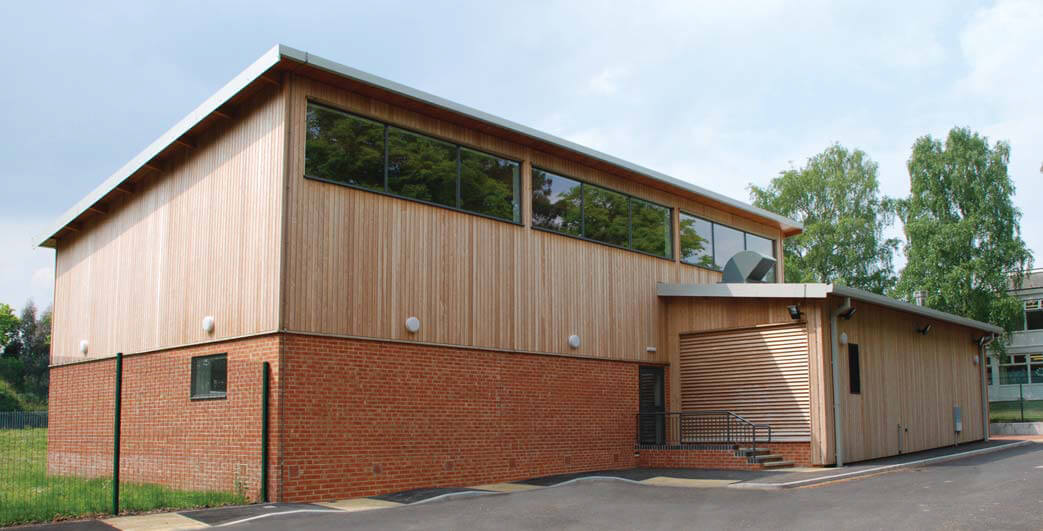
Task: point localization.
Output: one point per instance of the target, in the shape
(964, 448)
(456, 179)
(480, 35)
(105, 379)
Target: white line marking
(950, 457)
(294, 511)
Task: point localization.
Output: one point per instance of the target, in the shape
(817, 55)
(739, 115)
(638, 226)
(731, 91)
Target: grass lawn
(1011, 411)
(28, 494)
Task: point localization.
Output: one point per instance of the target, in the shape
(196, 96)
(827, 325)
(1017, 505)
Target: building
(1020, 374)
(449, 298)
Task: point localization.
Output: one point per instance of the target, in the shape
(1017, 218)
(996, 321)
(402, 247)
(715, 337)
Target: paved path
(1002, 490)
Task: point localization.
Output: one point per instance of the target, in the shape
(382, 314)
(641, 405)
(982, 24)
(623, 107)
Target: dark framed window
(342, 148)
(568, 206)
(209, 377)
(709, 244)
(854, 369)
(1034, 314)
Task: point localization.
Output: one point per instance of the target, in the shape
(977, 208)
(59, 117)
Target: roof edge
(225, 93)
(814, 291)
(279, 52)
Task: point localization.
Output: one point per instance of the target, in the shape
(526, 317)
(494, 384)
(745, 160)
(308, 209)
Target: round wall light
(976, 360)
(574, 341)
(83, 347)
(843, 338)
(208, 324)
(413, 325)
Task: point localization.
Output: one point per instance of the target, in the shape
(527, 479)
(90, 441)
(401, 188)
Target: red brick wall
(369, 417)
(166, 437)
(798, 452)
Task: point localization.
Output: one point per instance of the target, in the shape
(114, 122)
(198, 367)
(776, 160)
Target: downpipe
(838, 432)
(983, 344)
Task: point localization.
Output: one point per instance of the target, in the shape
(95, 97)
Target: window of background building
(1034, 314)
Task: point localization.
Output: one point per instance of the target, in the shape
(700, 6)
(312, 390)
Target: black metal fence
(83, 467)
(698, 430)
(1020, 410)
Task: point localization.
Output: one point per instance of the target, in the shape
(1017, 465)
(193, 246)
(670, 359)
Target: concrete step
(777, 464)
(766, 458)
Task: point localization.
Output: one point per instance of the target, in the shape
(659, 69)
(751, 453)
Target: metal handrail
(699, 428)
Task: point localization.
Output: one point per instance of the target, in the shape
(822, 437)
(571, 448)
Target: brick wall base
(166, 438)
(369, 417)
(798, 452)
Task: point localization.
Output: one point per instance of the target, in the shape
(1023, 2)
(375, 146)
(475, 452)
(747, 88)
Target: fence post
(116, 436)
(1021, 400)
(265, 375)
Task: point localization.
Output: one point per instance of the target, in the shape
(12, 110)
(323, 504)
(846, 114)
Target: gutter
(838, 432)
(983, 343)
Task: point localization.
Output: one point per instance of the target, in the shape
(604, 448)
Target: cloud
(26, 272)
(608, 80)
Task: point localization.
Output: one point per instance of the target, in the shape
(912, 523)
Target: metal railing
(698, 430)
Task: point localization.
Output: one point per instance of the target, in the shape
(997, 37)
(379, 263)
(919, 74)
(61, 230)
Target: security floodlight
(848, 314)
(794, 311)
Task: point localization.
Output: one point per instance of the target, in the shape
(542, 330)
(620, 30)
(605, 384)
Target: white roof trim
(279, 52)
(813, 291)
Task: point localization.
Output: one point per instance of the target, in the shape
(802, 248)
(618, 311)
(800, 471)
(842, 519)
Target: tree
(837, 198)
(31, 346)
(8, 326)
(962, 229)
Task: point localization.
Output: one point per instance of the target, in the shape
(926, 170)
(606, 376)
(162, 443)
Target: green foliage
(837, 198)
(30, 345)
(8, 326)
(29, 494)
(962, 229)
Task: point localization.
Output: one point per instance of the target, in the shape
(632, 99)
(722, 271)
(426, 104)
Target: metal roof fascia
(865, 296)
(233, 87)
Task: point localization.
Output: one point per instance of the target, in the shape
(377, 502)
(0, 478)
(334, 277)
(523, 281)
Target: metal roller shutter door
(758, 373)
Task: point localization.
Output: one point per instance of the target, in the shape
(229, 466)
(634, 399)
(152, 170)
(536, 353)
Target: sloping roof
(281, 53)
(1029, 280)
(813, 291)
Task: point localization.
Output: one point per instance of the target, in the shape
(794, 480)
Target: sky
(720, 94)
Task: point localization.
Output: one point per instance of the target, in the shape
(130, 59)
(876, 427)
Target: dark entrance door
(651, 406)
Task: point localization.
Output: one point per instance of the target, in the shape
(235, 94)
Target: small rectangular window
(421, 167)
(557, 203)
(697, 241)
(489, 185)
(1014, 374)
(651, 228)
(605, 215)
(1034, 320)
(209, 376)
(344, 149)
(727, 242)
(765, 247)
(854, 369)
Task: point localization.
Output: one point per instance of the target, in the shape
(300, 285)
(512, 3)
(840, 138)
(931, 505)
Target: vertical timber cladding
(760, 373)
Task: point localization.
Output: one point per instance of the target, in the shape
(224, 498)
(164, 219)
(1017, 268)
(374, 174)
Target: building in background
(1020, 373)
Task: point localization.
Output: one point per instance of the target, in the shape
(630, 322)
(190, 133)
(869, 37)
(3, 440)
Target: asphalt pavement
(1002, 490)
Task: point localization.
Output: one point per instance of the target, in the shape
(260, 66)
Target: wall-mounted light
(574, 341)
(976, 360)
(83, 347)
(208, 324)
(650, 350)
(412, 325)
(843, 338)
(849, 314)
(794, 311)
(925, 329)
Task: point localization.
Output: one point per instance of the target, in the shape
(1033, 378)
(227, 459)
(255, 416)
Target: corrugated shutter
(758, 373)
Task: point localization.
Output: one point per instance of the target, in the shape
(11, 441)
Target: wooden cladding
(909, 382)
(759, 373)
(201, 239)
(359, 264)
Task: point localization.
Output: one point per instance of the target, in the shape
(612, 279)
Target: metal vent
(747, 267)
